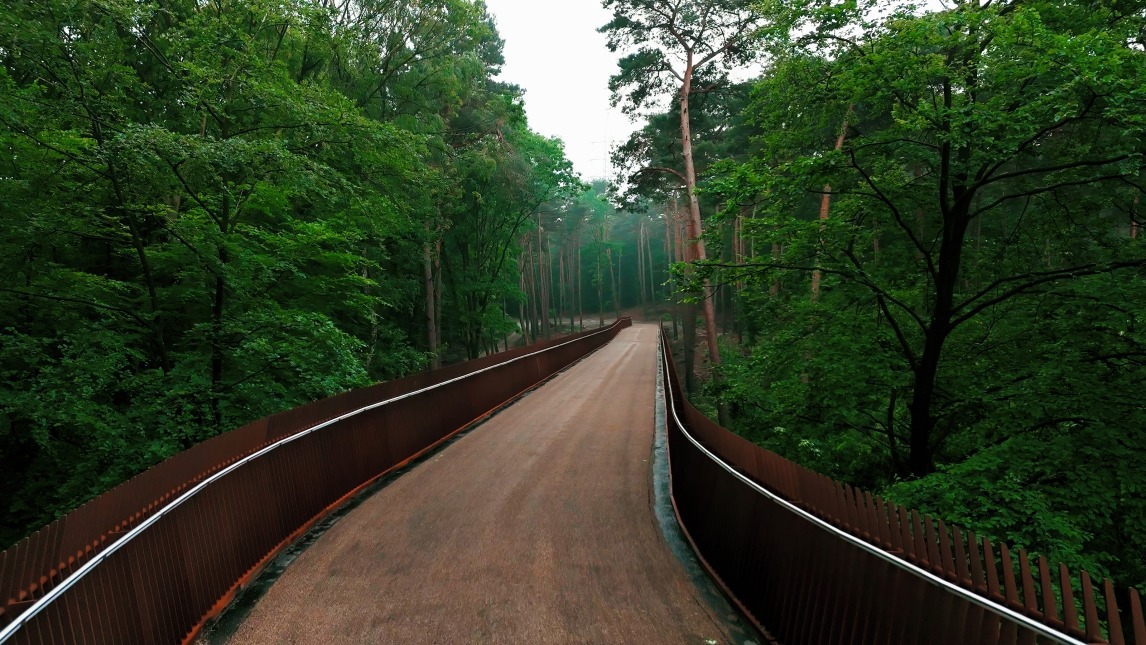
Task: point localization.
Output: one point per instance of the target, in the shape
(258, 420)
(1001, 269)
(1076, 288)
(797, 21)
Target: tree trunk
(920, 457)
(671, 255)
(694, 214)
(649, 258)
(542, 281)
(738, 258)
(641, 262)
(571, 287)
(473, 331)
(690, 182)
(531, 299)
(217, 309)
(137, 241)
(1133, 218)
(431, 316)
(438, 292)
(613, 281)
(686, 252)
(535, 300)
(560, 286)
(737, 254)
(826, 202)
(580, 295)
(523, 308)
(600, 293)
(505, 310)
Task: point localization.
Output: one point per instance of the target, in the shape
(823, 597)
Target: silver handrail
(985, 603)
(9, 630)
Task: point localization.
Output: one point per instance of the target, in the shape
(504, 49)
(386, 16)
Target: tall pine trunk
(826, 203)
(523, 307)
(431, 315)
(438, 291)
(580, 292)
(613, 280)
(600, 292)
(542, 282)
(641, 281)
(671, 255)
(649, 258)
(535, 299)
(572, 277)
(696, 231)
(560, 287)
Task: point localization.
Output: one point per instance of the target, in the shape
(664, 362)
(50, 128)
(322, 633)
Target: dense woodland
(924, 227)
(900, 245)
(212, 211)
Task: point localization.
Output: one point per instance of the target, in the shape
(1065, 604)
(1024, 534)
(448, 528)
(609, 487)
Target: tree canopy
(967, 185)
(218, 210)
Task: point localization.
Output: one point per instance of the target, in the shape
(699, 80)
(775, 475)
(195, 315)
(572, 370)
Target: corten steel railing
(812, 561)
(151, 560)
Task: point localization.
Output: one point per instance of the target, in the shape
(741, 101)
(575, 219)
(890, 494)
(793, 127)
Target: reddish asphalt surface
(537, 527)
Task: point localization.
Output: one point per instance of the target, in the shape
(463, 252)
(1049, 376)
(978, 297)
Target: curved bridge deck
(537, 527)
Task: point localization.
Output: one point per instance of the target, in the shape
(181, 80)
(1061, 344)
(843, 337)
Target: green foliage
(663, 40)
(974, 345)
(215, 211)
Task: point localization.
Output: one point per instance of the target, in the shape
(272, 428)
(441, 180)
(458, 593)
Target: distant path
(537, 527)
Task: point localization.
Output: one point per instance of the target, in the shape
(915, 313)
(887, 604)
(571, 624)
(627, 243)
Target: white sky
(553, 51)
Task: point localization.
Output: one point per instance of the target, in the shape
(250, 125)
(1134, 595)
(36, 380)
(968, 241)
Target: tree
(216, 211)
(679, 40)
(985, 128)
(979, 320)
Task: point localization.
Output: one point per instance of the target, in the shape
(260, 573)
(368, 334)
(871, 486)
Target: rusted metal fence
(813, 561)
(151, 560)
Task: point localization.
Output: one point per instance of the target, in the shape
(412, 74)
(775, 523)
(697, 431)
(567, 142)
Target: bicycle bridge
(540, 524)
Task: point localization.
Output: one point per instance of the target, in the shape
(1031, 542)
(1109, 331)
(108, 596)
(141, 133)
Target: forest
(898, 243)
(213, 211)
(914, 237)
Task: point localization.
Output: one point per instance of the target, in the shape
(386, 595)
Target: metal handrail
(985, 603)
(19, 621)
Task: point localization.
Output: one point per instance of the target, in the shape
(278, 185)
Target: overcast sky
(553, 50)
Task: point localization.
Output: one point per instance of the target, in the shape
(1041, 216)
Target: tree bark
(826, 203)
(672, 255)
(687, 251)
(613, 281)
(523, 307)
(542, 282)
(649, 258)
(920, 458)
(572, 277)
(535, 299)
(694, 211)
(641, 261)
(956, 194)
(580, 295)
(600, 292)
(217, 309)
(561, 284)
(138, 244)
(1133, 218)
(431, 315)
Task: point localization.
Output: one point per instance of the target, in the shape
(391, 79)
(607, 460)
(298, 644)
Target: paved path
(537, 527)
